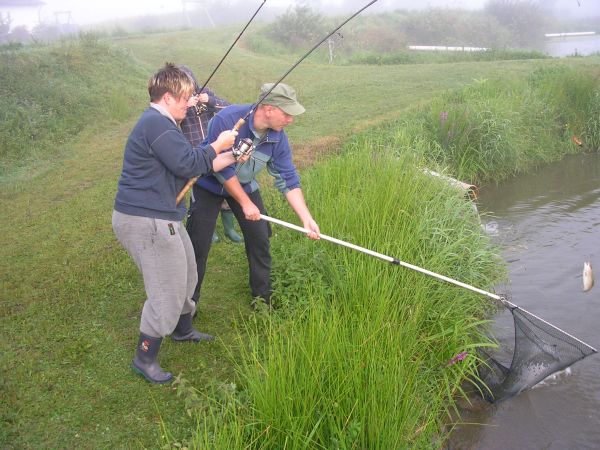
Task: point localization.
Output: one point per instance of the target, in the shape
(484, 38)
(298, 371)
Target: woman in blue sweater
(157, 163)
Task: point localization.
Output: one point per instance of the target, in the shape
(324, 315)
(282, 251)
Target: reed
(362, 364)
(494, 129)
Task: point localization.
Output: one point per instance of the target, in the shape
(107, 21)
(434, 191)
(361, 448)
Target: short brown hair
(170, 79)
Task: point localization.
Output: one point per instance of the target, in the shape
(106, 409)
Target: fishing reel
(200, 108)
(243, 148)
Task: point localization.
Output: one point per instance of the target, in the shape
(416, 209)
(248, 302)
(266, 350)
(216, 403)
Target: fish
(588, 276)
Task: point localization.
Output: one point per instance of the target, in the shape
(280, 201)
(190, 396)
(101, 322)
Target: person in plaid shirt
(201, 108)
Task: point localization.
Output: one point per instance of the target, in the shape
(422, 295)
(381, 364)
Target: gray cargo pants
(163, 253)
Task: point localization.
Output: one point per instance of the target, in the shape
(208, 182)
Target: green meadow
(355, 354)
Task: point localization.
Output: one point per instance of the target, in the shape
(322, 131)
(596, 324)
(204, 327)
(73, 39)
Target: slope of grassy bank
(49, 93)
(71, 297)
(357, 357)
(494, 129)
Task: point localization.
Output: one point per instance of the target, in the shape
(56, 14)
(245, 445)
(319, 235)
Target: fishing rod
(245, 145)
(397, 262)
(202, 107)
(242, 121)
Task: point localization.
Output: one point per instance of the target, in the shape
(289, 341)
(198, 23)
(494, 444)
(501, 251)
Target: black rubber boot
(184, 331)
(227, 219)
(144, 362)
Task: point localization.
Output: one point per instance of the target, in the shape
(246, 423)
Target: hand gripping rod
(242, 120)
(418, 269)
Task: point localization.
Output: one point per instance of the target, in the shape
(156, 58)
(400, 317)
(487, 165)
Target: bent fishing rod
(397, 262)
(202, 106)
(245, 146)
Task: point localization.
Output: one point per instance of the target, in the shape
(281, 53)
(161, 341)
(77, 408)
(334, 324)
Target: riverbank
(71, 297)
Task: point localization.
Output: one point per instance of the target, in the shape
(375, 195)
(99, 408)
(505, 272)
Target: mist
(559, 12)
(530, 19)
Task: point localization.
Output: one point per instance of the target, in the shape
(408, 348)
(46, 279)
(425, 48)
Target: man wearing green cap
(238, 185)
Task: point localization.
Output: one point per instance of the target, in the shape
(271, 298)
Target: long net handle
(419, 269)
(385, 258)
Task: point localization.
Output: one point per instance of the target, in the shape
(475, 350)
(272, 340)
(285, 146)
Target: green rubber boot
(227, 219)
(215, 238)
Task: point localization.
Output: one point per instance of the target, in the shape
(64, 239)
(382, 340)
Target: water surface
(548, 224)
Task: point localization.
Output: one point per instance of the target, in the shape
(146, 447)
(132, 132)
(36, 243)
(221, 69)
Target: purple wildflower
(457, 358)
(443, 117)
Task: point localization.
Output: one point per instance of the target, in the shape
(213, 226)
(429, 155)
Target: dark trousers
(201, 226)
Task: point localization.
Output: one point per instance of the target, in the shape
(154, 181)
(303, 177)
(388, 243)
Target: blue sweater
(157, 163)
(273, 152)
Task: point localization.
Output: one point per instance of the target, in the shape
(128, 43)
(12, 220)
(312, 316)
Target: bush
(392, 32)
(298, 27)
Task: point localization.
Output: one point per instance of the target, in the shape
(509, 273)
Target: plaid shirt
(195, 126)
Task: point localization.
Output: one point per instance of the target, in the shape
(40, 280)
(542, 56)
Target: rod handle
(239, 124)
(185, 189)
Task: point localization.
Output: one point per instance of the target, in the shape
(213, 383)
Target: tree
(523, 18)
(298, 27)
(5, 22)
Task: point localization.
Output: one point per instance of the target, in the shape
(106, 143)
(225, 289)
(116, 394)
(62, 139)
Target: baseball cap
(282, 96)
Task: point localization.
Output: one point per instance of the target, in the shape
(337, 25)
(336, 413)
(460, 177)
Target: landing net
(540, 350)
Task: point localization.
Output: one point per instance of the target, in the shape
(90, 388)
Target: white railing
(447, 48)
(579, 33)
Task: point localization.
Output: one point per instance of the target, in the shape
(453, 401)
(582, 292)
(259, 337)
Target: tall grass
(362, 364)
(496, 128)
(438, 57)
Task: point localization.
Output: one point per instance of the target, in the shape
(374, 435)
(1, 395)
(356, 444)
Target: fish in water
(588, 276)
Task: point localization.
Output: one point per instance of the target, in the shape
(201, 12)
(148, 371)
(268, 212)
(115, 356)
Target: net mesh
(540, 350)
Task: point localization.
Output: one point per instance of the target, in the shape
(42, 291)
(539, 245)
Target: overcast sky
(85, 12)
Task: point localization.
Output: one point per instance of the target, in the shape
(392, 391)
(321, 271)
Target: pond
(547, 224)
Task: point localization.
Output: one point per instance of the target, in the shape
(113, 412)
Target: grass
(71, 297)
(41, 113)
(360, 362)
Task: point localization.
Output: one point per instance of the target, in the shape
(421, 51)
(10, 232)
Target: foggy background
(46, 20)
(31, 12)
